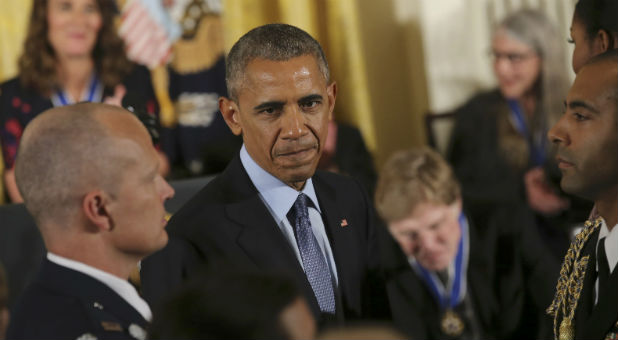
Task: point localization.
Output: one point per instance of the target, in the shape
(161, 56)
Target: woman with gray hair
(499, 148)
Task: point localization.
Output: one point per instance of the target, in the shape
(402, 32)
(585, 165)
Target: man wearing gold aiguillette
(586, 302)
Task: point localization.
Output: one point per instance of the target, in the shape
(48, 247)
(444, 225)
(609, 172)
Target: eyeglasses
(513, 58)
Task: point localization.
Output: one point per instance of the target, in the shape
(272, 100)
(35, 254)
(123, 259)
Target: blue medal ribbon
(94, 93)
(451, 296)
(537, 149)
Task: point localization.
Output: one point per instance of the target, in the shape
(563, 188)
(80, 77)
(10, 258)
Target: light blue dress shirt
(279, 199)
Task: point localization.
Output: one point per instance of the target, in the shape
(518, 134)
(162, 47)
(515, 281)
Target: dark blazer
(65, 304)
(595, 322)
(228, 223)
(510, 283)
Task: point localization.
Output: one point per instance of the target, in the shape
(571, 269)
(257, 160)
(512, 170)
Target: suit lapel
(340, 230)
(259, 236)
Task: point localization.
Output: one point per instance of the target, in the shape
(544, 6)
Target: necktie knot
(300, 206)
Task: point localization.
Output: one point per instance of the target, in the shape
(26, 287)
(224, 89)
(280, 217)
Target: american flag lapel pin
(344, 223)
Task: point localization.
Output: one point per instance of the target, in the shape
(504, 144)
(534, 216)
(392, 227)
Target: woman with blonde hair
(499, 148)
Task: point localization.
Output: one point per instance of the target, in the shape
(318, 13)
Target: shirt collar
(611, 243)
(278, 195)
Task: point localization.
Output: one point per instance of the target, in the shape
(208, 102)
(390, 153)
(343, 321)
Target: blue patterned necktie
(316, 269)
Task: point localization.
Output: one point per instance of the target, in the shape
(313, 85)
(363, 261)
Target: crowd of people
(463, 246)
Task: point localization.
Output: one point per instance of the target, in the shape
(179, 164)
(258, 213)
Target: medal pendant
(451, 323)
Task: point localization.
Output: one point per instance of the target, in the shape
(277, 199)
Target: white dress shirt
(118, 285)
(279, 199)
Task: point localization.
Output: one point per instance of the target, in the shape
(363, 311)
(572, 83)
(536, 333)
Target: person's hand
(541, 197)
(116, 99)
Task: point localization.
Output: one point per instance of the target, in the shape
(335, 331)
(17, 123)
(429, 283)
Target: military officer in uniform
(585, 305)
(89, 176)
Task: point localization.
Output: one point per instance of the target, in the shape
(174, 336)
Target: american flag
(148, 32)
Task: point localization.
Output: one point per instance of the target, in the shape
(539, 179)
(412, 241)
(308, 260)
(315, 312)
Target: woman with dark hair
(594, 29)
(71, 54)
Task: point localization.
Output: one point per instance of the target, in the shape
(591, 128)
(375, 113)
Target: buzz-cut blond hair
(412, 177)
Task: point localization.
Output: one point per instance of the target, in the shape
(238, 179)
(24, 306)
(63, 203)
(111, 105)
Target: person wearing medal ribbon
(585, 305)
(444, 279)
(498, 148)
(71, 54)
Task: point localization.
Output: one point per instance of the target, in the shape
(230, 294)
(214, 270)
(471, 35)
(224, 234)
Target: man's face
(282, 112)
(431, 234)
(136, 209)
(586, 136)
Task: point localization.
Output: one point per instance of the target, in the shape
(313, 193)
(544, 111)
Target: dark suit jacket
(510, 283)
(594, 322)
(65, 304)
(227, 222)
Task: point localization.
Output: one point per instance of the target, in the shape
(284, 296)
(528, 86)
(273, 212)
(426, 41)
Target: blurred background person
(71, 54)
(235, 304)
(594, 29)
(200, 141)
(345, 152)
(498, 147)
(443, 281)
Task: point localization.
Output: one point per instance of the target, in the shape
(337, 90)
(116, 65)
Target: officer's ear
(231, 114)
(96, 209)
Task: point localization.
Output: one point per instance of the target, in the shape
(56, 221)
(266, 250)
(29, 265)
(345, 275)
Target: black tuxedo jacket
(595, 322)
(65, 304)
(510, 282)
(227, 223)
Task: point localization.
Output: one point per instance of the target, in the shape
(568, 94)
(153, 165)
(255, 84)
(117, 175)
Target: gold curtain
(13, 24)
(335, 24)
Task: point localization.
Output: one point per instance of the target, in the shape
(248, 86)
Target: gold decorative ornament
(570, 283)
(566, 330)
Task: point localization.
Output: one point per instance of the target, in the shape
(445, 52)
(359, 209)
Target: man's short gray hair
(64, 153)
(277, 42)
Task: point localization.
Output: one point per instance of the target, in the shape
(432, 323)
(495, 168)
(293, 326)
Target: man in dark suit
(586, 302)
(269, 208)
(447, 279)
(98, 219)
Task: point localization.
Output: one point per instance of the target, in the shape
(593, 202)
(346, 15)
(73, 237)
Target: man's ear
(96, 210)
(331, 91)
(603, 41)
(231, 114)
